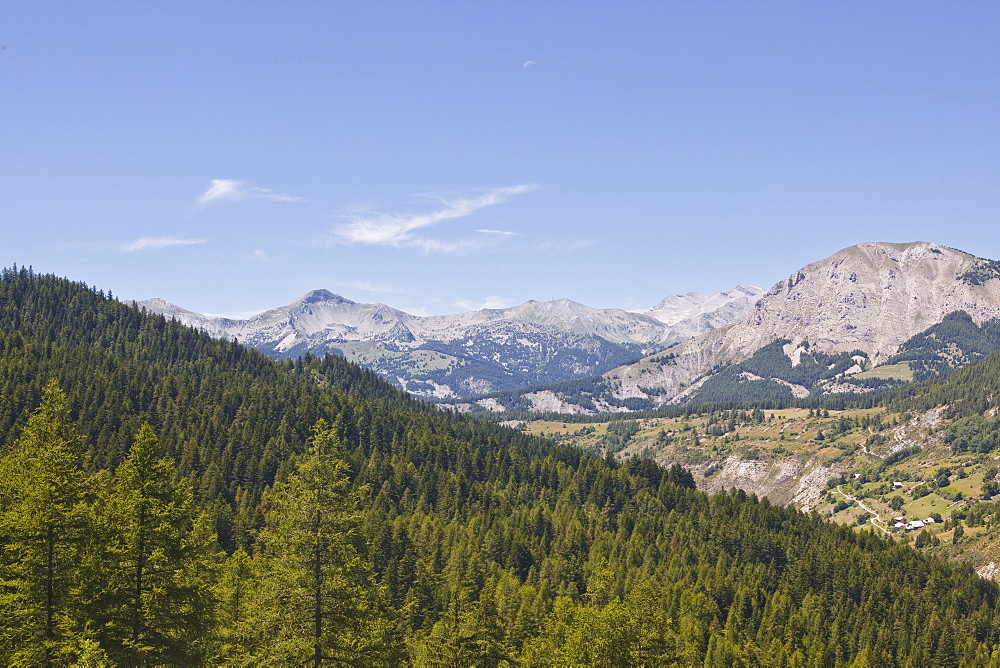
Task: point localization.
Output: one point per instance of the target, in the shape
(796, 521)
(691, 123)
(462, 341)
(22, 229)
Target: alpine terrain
(477, 352)
(858, 320)
(171, 499)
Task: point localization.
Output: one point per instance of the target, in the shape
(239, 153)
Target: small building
(915, 524)
(930, 520)
(897, 485)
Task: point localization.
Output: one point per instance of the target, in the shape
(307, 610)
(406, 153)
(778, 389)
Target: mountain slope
(864, 301)
(955, 341)
(483, 545)
(694, 313)
(476, 352)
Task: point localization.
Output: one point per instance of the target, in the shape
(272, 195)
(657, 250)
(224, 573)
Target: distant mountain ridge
(476, 352)
(850, 312)
(694, 313)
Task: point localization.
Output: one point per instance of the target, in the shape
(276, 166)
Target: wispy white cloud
(390, 229)
(221, 190)
(489, 302)
(367, 286)
(452, 246)
(500, 232)
(157, 243)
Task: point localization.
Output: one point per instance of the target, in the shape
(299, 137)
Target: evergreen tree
(155, 605)
(45, 519)
(234, 593)
(495, 546)
(316, 603)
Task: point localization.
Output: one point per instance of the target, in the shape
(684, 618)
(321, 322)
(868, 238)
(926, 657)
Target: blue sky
(443, 156)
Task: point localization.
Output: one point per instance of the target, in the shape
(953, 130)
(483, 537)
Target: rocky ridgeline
(476, 352)
(871, 297)
(861, 303)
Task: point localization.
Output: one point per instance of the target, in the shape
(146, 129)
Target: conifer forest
(169, 499)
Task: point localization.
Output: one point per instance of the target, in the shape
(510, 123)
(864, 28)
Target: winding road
(874, 519)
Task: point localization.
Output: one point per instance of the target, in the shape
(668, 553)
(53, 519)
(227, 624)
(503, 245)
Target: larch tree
(46, 519)
(315, 601)
(155, 601)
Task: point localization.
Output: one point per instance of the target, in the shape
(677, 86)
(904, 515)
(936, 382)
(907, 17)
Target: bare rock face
(870, 297)
(795, 481)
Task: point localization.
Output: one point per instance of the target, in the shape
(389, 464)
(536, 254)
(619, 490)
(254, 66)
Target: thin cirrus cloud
(505, 233)
(255, 256)
(157, 243)
(400, 230)
(230, 190)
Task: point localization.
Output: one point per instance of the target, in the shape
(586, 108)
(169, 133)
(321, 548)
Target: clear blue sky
(441, 156)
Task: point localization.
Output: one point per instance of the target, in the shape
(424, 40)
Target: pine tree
(234, 593)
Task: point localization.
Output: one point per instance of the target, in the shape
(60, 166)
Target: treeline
(982, 270)
(288, 512)
(737, 382)
(955, 341)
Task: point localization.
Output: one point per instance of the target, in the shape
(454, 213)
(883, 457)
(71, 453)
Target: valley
(860, 467)
(428, 334)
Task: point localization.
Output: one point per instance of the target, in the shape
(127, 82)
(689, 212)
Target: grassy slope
(793, 435)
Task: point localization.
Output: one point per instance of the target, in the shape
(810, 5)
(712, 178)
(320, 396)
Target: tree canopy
(211, 506)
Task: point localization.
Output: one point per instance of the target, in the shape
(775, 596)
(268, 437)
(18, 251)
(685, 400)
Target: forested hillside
(970, 390)
(170, 499)
(955, 341)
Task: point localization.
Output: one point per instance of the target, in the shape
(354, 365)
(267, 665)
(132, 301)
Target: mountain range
(867, 317)
(836, 325)
(478, 352)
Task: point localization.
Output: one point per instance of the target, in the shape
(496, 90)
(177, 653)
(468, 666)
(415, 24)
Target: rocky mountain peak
(471, 353)
(869, 297)
(158, 305)
(320, 296)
